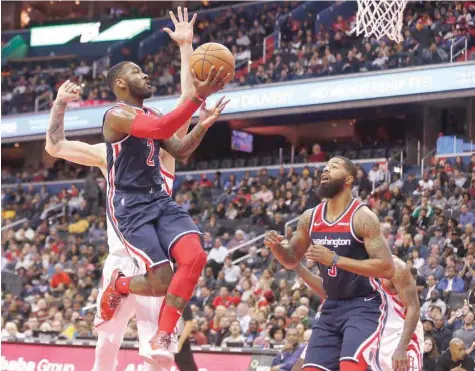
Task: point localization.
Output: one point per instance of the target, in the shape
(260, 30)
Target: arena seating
(315, 41)
(51, 262)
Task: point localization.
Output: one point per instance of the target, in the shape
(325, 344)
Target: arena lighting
(89, 32)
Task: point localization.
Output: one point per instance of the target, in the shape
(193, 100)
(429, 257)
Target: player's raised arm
(181, 149)
(125, 120)
(315, 282)
(183, 36)
(290, 256)
(406, 288)
(56, 143)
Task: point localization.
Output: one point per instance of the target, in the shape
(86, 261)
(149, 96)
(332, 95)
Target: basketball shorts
(381, 358)
(146, 309)
(347, 330)
(149, 224)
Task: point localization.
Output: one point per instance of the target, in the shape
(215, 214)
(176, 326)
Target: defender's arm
(380, 263)
(74, 151)
(406, 288)
(290, 256)
(315, 282)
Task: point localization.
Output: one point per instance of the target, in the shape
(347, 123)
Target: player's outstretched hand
(400, 360)
(209, 116)
(68, 92)
(273, 239)
(320, 254)
(215, 82)
(183, 34)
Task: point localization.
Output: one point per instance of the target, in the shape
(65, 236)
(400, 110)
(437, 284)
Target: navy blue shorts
(348, 329)
(149, 224)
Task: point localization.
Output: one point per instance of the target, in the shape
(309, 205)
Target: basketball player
(403, 336)
(343, 236)
(147, 309)
(148, 222)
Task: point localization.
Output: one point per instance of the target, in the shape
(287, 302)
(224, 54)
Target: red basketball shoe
(160, 344)
(111, 298)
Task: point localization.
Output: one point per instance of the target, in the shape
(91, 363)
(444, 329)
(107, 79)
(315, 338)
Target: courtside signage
(313, 92)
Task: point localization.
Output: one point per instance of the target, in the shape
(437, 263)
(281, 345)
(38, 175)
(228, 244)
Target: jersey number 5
(332, 272)
(150, 159)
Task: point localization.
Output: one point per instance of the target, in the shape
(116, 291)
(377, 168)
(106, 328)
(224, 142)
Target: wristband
(335, 259)
(199, 98)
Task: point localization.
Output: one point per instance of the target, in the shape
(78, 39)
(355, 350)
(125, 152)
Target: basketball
(212, 54)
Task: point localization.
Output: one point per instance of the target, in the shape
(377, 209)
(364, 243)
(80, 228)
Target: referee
(184, 358)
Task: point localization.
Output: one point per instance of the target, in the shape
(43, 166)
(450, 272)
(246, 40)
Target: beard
(331, 188)
(138, 92)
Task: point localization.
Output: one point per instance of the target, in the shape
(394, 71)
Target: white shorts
(146, 309)
(389, 341)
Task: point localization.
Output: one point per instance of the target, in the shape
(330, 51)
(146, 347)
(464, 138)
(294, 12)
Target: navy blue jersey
(133, 163)
(339, 237)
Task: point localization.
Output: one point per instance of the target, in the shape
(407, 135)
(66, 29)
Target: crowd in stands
(51, 264)
(429, 29)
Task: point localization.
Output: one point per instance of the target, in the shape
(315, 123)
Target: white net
(380, 18)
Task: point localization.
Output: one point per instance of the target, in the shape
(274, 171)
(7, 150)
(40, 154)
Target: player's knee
(188, 253)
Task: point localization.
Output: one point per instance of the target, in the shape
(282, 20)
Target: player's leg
(362, 332)
(180, 239)
(324, 345)
(110, 335)
(133, 219)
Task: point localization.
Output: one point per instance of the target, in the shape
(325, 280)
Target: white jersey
(393, 327)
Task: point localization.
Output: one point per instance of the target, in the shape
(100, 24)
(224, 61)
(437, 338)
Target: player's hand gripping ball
(212, 54)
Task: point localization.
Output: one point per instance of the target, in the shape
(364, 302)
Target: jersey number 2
(332, 272)
(150, 159)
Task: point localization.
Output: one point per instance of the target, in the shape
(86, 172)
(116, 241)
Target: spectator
(317, 154)
(231, 272)
(440, 333)
(451, 282)
(235, 339)
(59, 277)
(290, 354)
(455, 358)
(225, 299)
(431, 352)
(467, 332)
(217, 255)
(466, 216)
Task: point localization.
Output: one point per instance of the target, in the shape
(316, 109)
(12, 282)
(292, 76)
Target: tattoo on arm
(182, 149)
(301, 241)
(56, 122)
(366, 224)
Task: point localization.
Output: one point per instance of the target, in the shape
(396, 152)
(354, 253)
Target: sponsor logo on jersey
(329, 241)
(344, 224)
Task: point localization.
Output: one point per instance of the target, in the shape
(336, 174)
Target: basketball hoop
(380, 18)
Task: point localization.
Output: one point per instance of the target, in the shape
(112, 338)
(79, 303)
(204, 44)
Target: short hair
(114, 71)
(349, 166)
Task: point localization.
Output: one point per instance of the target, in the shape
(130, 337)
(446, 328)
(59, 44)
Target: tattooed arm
(406, 288)
(56, 143)
(289, 256)
(380, 263)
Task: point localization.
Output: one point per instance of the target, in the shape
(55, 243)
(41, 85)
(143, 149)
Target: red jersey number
(332, 272)
(150, 159)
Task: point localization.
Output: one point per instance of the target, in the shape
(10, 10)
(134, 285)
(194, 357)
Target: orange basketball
(212, 54)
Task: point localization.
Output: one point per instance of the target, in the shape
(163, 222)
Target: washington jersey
(133, 163)
(339, 237)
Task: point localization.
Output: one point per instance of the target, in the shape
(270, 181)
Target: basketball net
(380, 18)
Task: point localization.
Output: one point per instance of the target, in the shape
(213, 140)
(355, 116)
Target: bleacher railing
(455, 53)
(257, 240)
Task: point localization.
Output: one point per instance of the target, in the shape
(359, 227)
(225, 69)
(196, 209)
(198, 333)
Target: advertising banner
(35, 357)
(275, 96)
